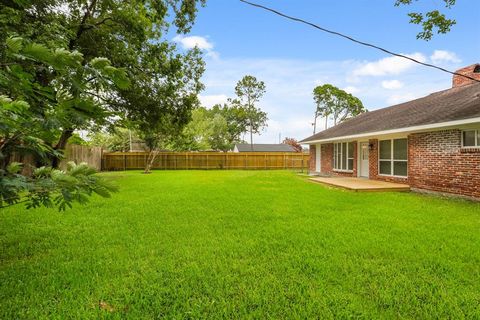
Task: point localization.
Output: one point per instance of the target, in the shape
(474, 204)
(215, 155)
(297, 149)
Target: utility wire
(356, 41)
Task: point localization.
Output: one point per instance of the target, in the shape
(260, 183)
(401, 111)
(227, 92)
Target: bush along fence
(206, 160)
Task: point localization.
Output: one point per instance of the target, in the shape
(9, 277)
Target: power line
(356, 41)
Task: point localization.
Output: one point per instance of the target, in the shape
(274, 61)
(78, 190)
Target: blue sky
(292, 58)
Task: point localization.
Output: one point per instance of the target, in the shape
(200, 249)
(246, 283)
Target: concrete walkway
(361, 184)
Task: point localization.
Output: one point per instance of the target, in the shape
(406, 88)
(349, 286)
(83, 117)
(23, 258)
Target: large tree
(249, 91)
(218, 128)
(130, 34)
(335, 103)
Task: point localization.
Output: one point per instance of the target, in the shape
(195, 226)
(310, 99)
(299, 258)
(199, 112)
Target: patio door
(364, 163)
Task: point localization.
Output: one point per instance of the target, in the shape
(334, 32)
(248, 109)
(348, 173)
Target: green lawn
(236, 244)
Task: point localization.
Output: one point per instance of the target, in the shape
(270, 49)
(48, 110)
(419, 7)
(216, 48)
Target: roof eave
(419, 128)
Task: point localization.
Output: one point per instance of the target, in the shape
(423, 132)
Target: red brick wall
(311, 162)
(327, 157)
(437, 162)
(458, 81)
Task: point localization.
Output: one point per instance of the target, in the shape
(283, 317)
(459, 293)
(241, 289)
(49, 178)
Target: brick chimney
(471, 71)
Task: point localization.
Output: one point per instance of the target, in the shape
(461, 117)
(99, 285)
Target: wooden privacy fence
(206, 160)
(78, 154)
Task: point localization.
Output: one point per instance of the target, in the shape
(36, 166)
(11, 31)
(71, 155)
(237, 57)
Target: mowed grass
(241, 244)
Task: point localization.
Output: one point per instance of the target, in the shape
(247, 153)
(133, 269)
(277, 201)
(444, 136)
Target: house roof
(457, 103)
(245, 147)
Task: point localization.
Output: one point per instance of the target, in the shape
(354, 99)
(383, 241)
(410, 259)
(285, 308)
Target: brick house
(431, 143)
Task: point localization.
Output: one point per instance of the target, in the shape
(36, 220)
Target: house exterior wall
(438, 162)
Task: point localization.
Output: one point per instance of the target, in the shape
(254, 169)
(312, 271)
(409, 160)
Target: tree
(249, 91)
(323, 97)
(294, 143)
(117, 139)
(128, 34)
(236, 119)
(431, 20)
(332, 101)
(20, 131)
(208, 130)
(197, 133)
(346, 106)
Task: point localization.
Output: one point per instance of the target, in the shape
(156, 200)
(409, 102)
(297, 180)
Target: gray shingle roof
(458, 103)
(245, 147)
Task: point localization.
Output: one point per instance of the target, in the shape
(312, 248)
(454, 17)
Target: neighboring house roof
(454, 104)
(245, 147)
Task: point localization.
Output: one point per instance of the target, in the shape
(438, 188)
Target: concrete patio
(361, 184)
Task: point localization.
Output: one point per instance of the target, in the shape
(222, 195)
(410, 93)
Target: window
(343, 156)
(393, 157)
(471, 138)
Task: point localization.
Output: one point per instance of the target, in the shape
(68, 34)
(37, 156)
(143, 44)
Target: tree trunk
(251, 136)
(61, 145)
(326, 122)
(151, 158)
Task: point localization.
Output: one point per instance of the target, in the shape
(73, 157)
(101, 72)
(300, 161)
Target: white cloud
(202, 43)
(388, 66)
(351, 89)
(213, 99)
(440, 56)
(190, 42)
(392, 84)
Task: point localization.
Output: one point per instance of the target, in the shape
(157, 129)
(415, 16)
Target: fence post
(124, 162)
(265, 157)
(208, 164)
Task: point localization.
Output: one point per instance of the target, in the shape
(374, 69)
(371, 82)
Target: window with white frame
(343, 156)
(393, 157)
(471, 138)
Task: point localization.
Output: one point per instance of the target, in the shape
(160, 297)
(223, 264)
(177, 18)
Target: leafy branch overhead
(430, 21)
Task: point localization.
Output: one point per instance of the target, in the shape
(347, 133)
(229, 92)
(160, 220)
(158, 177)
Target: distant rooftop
(245, 147)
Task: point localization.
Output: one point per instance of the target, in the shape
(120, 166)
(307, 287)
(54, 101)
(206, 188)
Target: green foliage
(77, 140)
(87, 64)
(22, 131)
(241, 245)
(115, 140)
(208, 130)
(431, 20)
(336, 103)
(51, 187)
